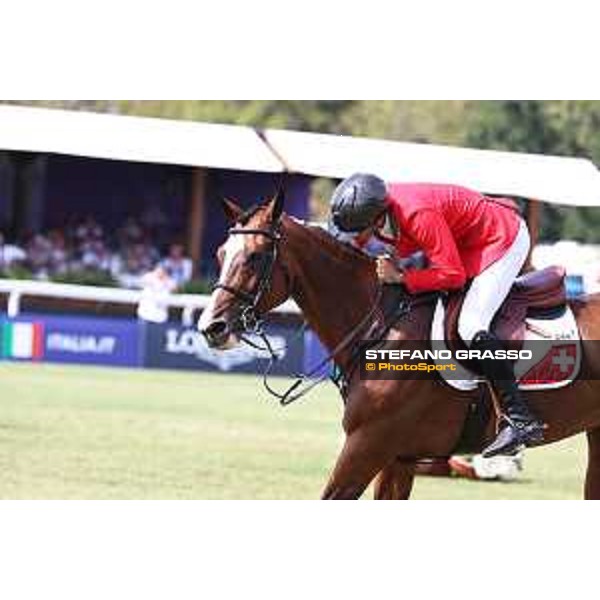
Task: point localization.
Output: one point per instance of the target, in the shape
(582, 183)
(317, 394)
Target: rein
(289, 396)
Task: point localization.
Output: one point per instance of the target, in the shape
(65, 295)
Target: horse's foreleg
(592, 478)
(364, 454)
(395, 481)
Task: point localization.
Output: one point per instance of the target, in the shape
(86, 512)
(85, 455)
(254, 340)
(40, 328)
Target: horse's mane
(340, 250)
(337, 249)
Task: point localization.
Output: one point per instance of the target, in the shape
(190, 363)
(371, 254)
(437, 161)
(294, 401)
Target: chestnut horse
(270, 257)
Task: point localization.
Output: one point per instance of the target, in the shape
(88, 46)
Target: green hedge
(197, 286)
(85, 277)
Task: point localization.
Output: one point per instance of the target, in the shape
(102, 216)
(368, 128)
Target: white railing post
(187, 315)
(14, 304)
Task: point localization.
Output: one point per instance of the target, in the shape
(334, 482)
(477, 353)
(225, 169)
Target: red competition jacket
(460, 231)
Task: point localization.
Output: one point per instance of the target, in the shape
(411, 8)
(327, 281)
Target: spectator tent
(110, 165)
(215, 160)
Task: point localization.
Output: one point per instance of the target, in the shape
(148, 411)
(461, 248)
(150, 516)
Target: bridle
(248, 318)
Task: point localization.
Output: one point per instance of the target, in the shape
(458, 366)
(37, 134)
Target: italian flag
(22, 340)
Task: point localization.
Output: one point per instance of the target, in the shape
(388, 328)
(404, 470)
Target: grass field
(75, 432)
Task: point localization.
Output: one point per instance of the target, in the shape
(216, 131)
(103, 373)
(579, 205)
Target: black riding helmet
(357, 202)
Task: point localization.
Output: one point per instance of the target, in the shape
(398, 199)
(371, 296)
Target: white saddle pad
(556, 364)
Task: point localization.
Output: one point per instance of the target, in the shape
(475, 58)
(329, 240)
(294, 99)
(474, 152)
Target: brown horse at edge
(388, 424)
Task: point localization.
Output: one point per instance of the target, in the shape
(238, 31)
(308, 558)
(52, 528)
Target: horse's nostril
(215, 330)
(217, 327)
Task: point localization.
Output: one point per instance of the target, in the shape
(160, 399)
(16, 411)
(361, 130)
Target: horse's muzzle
(220, 335)
(217, 333)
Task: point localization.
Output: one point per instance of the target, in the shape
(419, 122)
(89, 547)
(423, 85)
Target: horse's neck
(334, 288)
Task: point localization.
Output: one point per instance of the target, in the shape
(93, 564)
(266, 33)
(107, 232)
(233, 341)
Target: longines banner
(172, 346)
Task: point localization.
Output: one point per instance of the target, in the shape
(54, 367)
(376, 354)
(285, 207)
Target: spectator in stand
(83, 247)
(87, 231)
(10, 255)
(127, 270)
(133, 262)
(58, 259)
(131, 233)
(90, 249)
(39, 250)
(177, 265)
(95, 256)
(147, 254)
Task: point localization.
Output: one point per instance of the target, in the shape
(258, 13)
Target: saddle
(535, 315)
(539, 295)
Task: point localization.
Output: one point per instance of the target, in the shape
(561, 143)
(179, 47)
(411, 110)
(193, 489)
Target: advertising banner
(70, 339)
(172, 346)
(315, 354)
(127, 342)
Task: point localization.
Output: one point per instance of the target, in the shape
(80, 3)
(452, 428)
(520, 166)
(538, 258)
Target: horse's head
(252, 280)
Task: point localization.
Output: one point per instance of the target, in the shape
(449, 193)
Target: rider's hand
(387, 272)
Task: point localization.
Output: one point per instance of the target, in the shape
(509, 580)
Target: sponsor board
(172, 346)
(128, 342)
(22, 340)
(314, 355)
(68, 339)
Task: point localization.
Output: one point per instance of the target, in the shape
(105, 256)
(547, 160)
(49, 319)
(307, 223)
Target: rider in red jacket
(467, 238)
(432, 216)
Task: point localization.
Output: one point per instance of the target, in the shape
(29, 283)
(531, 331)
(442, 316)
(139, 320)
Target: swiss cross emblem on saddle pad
(559, 365)
(534, 317)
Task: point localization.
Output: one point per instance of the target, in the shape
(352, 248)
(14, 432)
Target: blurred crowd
(125, 255)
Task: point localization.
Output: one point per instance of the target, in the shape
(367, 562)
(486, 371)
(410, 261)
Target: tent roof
(562, 180)
(134, 138)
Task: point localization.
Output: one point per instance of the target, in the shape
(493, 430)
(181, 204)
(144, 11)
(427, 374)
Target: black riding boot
(520, 427)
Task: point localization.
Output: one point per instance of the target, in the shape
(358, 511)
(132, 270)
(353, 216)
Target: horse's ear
(275, 205)
(232, 211)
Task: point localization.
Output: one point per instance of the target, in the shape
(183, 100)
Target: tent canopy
(562, 180)
(134, 139)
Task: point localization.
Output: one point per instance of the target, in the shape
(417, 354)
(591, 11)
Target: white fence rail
(189, 303)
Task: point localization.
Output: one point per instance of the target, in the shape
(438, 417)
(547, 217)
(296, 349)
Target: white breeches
(491, 287)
